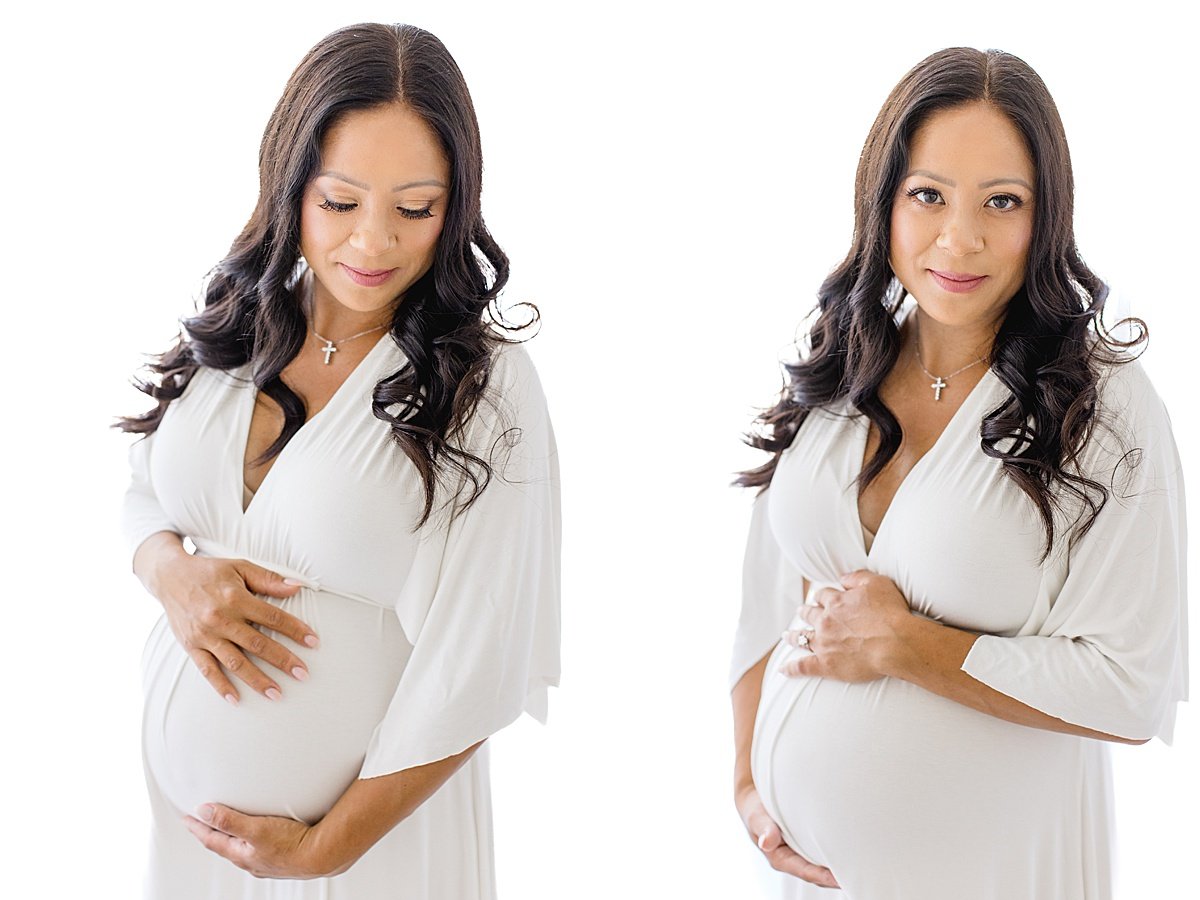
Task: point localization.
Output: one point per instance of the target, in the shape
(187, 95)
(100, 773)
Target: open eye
(1005, 202)
(925, 195)
(334, 206)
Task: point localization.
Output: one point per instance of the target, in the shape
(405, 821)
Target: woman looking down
(366, 468)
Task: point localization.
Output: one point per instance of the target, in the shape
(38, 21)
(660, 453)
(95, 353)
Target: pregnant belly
(902, 793)
(292, 757)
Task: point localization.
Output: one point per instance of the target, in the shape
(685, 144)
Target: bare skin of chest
(315, 383)
(907, 393)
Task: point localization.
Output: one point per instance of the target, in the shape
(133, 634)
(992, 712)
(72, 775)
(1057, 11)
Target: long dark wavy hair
(1051, 343)
(447, 325)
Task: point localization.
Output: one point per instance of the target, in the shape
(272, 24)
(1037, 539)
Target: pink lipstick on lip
(367, 277)
(957, 282)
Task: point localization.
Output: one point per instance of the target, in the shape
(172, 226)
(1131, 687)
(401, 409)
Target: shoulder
(513, 368)
(513, 381)
(513, 401)
(206, 381)
(1126, 396)
(1131, 423)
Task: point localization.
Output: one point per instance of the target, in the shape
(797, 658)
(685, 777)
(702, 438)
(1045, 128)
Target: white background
(672, 182)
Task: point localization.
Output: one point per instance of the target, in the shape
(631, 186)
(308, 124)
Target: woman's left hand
(852, 633)
(275, 847)
(265, 846)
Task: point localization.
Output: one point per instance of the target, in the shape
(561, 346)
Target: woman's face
(370, 219)
(963, 216)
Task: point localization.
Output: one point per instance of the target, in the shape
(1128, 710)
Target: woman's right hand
(212, 609)
(767, 835)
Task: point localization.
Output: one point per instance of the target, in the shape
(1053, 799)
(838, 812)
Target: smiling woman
(935, 722)
(960, 230)
(365, 465)
(368, 243)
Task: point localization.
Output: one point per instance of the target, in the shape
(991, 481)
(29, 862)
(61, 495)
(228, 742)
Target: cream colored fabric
(431, 640)
(906, 795)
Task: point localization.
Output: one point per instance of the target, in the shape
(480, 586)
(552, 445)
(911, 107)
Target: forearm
(371, 807)
(931, 656)
(745, 697)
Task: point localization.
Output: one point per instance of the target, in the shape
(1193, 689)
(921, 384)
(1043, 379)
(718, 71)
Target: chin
(959, 312)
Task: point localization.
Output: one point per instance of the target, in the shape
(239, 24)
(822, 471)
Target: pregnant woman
(368, 475)
(971, 527)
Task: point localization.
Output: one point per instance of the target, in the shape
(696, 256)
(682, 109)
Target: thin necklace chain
(322, 337)
(939, 381)
(330, 347)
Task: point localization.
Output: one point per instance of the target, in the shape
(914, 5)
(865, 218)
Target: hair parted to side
(1052, 340)
(447, 325)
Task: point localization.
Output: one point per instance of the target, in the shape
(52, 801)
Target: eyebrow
(424, 182)
(983, 184)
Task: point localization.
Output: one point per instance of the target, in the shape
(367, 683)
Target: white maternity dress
(906, 795)
(430, 640)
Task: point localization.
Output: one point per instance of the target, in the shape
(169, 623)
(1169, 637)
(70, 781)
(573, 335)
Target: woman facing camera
(366, 468)
(971, 526)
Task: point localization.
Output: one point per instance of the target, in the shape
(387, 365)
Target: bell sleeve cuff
(772, 591)
(481, 603)
(1112, 654)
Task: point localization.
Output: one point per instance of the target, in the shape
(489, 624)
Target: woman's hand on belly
(265, 846)
(764, 831)
(212, 609)
(276, 847)
(766, 834)
(867, 631)
(852, 633)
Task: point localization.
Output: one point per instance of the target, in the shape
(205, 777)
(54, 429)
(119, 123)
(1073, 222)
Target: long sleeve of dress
(481, 603)
(772, 591)
(1111, 651)
(141, 513)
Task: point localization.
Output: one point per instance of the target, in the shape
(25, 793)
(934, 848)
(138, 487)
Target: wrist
(899, 654)
(326, 852)
(743, 786)
(157, 551)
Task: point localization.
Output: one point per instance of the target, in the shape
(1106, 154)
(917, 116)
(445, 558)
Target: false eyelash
(334, 206)
(912, 192)
(1017, 202)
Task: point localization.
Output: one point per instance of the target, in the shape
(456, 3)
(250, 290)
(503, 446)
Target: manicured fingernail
(204, 812)
(762, 841)
(300, 674)
(292, 582)
(231, 699)
(312, 640)
(273, 693)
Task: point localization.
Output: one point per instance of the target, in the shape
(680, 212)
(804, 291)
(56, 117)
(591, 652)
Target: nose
(371, 237)
(960, 234)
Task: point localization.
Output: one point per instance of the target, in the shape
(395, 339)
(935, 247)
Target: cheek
(426, 244)
(906, 242)
(314, 231)
(1013, 246)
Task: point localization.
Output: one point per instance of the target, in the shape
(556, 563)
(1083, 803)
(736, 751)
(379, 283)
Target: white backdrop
(672, 182)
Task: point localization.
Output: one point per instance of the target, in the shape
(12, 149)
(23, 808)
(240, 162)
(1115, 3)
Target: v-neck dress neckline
(869, 778)
(246, 416)
(409, 668)
(967, 412)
